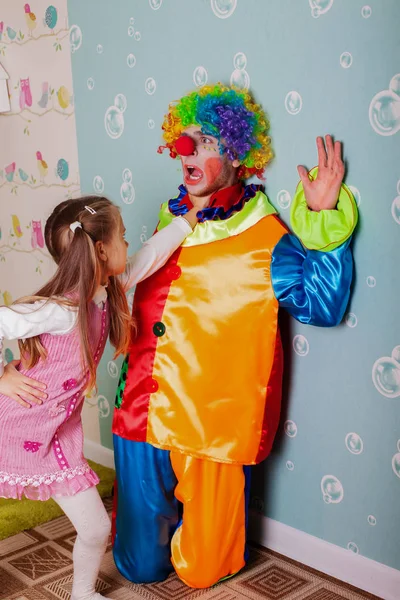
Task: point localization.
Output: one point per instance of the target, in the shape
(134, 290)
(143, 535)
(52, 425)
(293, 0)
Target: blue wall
(317, 66)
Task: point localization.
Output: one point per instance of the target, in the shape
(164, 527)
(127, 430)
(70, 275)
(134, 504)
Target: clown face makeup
(205, 170)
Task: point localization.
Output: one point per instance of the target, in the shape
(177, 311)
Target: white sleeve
(155, 252)
(28, 320)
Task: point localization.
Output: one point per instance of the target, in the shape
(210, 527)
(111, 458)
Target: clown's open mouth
(193, 174)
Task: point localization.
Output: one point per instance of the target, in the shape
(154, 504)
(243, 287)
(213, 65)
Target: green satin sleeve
(327, 229)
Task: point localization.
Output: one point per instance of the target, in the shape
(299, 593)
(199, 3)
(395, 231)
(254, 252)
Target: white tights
(86, 512)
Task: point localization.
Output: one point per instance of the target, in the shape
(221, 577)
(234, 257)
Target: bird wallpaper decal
(39, 164)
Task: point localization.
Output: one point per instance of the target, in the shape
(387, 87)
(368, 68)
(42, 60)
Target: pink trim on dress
(67, 482)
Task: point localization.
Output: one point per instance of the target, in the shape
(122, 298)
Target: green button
(159, 329)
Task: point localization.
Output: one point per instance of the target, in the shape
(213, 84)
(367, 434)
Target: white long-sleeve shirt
(28, 320)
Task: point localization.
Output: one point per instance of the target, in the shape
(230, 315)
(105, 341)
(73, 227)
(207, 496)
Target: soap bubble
(396, 210)
(137, 36)
(332, 489)
(223, 8)
(112, 369)
(143, 238)
(289, 465)
(131, 31)
(346, 60)
(151, 124)
(394, 84)
(114, 122)
(371, 520)
(301, 345)
(150, 86)
(131, 60)
(351, 320)
(240, 61)
(371, 281)
(132, 21)
(354, 443)
(120, 102)
(396, 464)
(366, 12)
(386, 377)
(384, 113)
(200, 76)
(283, 199)
(104, 406)
(240, 78)
(155, 4)
(127, 175)
(98, 184)
(90, 83)
(319, 7)
(353, 547)
(290, 428)
(127, 192)
(293, 103)
(75, 38)
(99, 49)
(396, 354)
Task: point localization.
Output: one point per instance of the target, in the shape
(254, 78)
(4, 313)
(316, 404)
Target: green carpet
(18, 515)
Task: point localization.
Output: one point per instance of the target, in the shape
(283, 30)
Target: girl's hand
(191, 216)
(323, 192)
(21, 388)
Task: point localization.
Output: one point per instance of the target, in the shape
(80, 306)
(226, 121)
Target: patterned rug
(36, 565)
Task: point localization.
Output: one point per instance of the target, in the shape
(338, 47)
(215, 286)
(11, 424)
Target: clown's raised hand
(322, 192)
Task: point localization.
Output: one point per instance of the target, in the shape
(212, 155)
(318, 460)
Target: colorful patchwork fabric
(122, 382)
(205, 370)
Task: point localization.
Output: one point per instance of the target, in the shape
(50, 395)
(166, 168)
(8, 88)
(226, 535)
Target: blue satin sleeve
(313, 286)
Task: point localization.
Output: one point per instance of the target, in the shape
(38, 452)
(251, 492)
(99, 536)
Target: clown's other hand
(322, 193)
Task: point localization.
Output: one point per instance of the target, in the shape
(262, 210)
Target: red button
(151, 385)
(175, 272)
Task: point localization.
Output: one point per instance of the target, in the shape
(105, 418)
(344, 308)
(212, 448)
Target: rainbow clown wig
(230, 115)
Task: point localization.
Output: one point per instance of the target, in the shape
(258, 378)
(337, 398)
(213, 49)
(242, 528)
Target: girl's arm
(28, 320)
(157, 250)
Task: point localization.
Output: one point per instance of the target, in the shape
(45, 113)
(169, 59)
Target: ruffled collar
(223, 203)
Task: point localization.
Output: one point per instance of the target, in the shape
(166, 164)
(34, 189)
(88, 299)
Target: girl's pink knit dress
(41, 448)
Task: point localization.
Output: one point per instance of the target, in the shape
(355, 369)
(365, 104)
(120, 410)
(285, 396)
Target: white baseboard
(98, 453)
(357, 570)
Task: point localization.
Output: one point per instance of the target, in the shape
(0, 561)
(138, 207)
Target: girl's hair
(79, 274)
(229, 114)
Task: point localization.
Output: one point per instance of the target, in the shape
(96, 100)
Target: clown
(199, 396)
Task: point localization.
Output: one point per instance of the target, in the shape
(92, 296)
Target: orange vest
(205, 370)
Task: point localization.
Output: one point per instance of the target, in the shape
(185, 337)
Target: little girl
(62, 331)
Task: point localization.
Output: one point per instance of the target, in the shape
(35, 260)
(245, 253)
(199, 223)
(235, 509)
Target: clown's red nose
(185, 145)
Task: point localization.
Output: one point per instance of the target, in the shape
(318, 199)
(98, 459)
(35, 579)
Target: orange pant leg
(210, 542)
